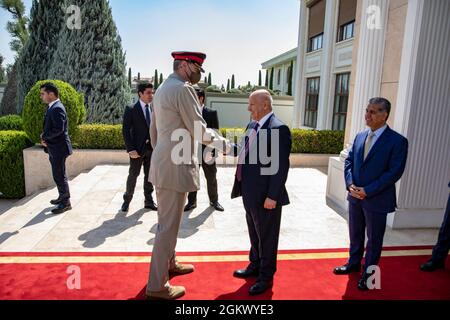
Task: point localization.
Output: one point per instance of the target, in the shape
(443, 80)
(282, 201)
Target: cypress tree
(37, 55)
(209, 79)
(271, 79)
(266, 83)
(232, 82)
(92, 60)
(129, 77)
(2, 70)
(161, 78)
(228, 85)
(259, 79)
(290, 74)
(205, 80)
(155, 80)
(9, 100)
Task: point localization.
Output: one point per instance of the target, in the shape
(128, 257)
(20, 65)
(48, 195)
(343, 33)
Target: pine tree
(271, 79)
(2, 70)
(161, 78)
(228, 85)
(155, 80)
(9, 101)
(290, 74)
(209, 79)
(232, 82)
(18, 26)
(36, 58)
(260, 78)
(92, 60)
(129, 77)
(266, 83)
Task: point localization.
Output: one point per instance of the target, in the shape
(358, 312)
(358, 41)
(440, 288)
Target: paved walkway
(96, 224)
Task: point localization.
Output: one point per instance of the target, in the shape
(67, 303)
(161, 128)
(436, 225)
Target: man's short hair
(200, 93)
(50, 87)
(384, 103)
(176, 64)
(142, 86)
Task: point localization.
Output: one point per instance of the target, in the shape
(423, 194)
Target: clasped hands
(43, 141)
(357, 192)
(134, 155)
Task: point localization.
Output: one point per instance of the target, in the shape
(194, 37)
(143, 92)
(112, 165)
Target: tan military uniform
(175, 106)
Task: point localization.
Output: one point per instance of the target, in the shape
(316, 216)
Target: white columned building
(406, 61)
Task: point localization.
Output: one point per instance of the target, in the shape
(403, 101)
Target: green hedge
(34, 109)
(98, 136)
(11, 122)
(101, 136)
(318, 142)
(12, 180)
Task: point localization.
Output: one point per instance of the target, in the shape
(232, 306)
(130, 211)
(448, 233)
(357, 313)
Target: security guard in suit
(209, 168)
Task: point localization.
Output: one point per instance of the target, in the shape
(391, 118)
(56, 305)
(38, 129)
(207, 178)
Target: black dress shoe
(56, 202)
(431, 265)
(362, 283)
(190, 206)
(346, 269)
(216, 205)
(245, 273)
(151, 206)
(259, 287)
(61, 208)
(125, 207)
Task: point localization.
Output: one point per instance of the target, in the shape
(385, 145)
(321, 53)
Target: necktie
(368, 144)
(147, 114)
(242, 156)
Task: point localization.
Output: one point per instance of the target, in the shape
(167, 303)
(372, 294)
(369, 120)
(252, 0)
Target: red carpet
(296, 279)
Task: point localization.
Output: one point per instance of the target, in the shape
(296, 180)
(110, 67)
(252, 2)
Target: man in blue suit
(56, 141)
(373, 166)
(261, 183)
(442, 247)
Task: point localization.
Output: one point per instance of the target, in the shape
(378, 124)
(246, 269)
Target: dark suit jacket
(135, 130)
(380, 171)
(56, 133)
(255, 187)
(212, 121)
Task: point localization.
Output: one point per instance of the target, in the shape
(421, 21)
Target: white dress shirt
(143, 104)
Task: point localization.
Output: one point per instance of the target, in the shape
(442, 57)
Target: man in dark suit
(261, 184)
(56, 141)
(209, 168)
(374, 164)
(442, 247)
(136, 133)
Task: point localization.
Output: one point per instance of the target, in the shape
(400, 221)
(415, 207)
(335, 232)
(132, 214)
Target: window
(312, 102)
(279, 76)
(341, 101)
(315, 43)
(346, 31)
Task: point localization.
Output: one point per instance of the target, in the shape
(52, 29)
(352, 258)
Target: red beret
(196, 57)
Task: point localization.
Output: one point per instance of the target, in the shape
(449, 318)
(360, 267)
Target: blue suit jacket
(56, 133)
(255, 187)
(380, 171)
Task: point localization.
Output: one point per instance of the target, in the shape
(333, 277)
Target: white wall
(232, 109)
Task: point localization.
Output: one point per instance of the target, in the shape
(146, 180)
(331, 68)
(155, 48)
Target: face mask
(194, 77)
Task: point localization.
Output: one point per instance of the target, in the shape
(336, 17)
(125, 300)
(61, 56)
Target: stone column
(326, 74)
(300, 85)
(374, 16)
(423, 115)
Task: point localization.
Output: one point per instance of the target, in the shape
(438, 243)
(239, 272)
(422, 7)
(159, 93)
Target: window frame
(341, 98)
(311, 109)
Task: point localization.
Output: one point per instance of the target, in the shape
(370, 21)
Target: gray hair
(384, 103)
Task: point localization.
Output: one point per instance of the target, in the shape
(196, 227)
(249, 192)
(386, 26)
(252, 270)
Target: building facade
(282, 70)
(324, 63)
(401, 52)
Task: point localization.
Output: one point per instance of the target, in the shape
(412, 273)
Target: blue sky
(237, 36)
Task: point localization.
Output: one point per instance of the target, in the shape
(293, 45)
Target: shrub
(34, 109)
(315, 141)
(213, 88)
(98, 136)
(11, 122)
(235, 91)
(12, 180)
